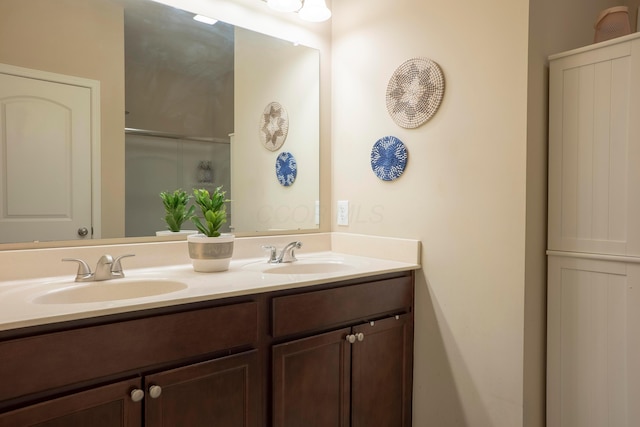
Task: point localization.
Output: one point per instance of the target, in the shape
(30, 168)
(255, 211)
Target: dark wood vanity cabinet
(170, 369)
(329, 355)
(359, 375)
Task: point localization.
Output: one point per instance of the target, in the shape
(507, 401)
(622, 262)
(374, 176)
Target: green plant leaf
(214, 211)
(175, 206)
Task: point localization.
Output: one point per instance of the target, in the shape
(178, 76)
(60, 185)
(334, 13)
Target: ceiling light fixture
(205, 19)
(308, 10)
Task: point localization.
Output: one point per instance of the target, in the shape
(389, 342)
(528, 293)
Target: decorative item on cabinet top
(611, 23)
(388, 158)
(415, 92)
(274, 126)
(286, 169)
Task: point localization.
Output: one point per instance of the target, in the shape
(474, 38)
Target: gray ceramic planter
(210, 254)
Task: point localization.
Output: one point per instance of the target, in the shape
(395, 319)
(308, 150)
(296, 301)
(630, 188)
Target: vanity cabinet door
(106, 406)
(381, 373)
(359, 377)
(223, 392)
(311, 381)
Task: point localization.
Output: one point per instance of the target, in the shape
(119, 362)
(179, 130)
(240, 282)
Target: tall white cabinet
(593, 348)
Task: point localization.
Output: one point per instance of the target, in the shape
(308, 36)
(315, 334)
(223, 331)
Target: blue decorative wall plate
(286, 168)
(388, 158)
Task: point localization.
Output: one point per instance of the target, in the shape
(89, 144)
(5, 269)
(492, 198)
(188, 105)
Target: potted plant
(176, 212)
(210, 250)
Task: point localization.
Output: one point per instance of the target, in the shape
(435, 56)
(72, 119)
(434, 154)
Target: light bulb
(314, 11)
(205, 19)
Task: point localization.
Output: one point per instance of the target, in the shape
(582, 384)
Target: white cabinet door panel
(592, 192)
(593, 337)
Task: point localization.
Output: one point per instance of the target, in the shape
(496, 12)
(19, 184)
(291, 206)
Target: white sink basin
(109, 290)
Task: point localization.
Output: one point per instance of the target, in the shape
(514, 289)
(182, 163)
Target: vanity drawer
(53, 360)
(330, 308)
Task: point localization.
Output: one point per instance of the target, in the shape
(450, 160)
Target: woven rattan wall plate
(415, 92)
(389, 158)
(274, 126)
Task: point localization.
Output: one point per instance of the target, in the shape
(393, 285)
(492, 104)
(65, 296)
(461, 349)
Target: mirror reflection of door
(45, 125)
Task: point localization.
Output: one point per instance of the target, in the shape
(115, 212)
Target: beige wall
(43, 35)
(463, 193)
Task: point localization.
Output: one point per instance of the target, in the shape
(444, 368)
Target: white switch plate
(343, 212)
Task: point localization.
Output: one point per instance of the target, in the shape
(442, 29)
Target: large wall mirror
(181, 104)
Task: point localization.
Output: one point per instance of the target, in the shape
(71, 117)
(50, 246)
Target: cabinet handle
(351, 338)
(360, 336)
(137, 395)
(155, 391)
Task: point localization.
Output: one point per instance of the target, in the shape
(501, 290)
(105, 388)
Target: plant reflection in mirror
(175, 207)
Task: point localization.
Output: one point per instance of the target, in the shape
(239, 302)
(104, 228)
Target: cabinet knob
(137, 395)
(351, 338)
(360, 336)
(155, 391)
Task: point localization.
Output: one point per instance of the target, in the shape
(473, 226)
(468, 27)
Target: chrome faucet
(286, 255)
(106, 269)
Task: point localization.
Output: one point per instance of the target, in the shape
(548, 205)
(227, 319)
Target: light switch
(343, 212)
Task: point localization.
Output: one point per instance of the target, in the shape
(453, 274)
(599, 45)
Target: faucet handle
(272, 252)
(84, 272)
(116, 267)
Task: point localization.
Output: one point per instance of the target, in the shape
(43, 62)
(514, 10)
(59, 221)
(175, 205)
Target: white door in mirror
(47, 126)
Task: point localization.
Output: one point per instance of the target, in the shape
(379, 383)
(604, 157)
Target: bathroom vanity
(332, 351)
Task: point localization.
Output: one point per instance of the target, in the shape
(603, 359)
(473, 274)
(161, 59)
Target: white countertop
(244, 277)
